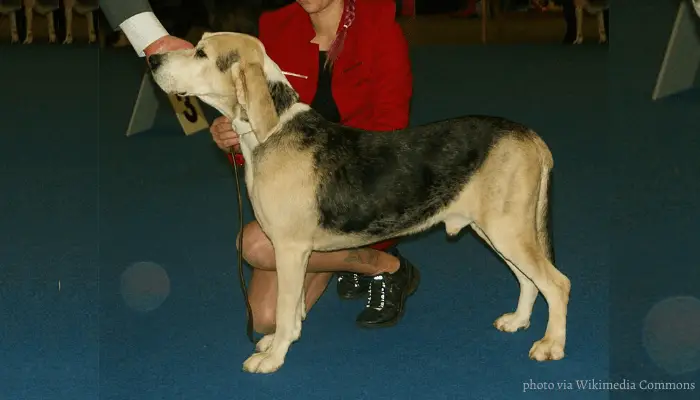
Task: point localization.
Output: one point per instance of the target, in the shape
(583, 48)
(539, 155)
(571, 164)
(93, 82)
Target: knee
(257, 249)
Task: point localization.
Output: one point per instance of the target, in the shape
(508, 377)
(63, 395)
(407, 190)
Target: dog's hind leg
(13, 28)
(92, 33)
(602, 34)
(579, 25)
(51, 26)
(520, 319)
(514, 223)
(518, 246)
(291, 263)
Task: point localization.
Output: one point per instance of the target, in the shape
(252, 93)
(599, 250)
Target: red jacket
(372, 81)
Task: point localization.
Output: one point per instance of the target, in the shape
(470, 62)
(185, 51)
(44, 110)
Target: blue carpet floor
(654, 327)
(81, 203)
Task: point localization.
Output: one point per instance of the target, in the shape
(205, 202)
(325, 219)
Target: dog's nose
(154, 61)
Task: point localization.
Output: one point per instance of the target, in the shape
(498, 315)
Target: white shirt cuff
(142, 30)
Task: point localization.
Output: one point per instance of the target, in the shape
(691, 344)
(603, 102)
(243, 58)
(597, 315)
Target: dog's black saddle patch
(380, 183)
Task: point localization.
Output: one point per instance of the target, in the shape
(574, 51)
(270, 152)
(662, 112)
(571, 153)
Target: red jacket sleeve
(392, 79)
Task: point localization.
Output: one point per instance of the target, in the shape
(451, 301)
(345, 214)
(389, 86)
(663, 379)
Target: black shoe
(351, 286)
(386, 302)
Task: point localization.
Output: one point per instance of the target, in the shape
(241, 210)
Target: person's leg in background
(569, 12)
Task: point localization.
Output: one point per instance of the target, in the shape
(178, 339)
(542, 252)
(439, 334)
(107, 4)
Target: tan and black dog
(82, 7)
(45, 8)
(593, 7)
(320, 186)
(10, 8)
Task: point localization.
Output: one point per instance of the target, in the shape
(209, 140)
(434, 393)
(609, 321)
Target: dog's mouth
(181, 94)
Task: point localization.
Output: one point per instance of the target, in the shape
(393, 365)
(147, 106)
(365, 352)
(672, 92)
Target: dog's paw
(511, 322)
(52, 38)
(579, 40)
(68, 40)
(265, 343)
(92, 38)
(547, 349)
(262, 363)
(28, 40)
(603, 39)
(15, 39)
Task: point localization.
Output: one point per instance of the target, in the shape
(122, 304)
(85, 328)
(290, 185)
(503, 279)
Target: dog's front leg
(13, 28)
(602, 35)
(51, 27)
(291, 269)
(92, 34)
(68, 11)
(579, 25)
(29, 20)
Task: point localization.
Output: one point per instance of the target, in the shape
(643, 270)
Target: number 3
(190, 111)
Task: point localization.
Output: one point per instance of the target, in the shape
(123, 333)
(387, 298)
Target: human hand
(223, 134)
(167, 43)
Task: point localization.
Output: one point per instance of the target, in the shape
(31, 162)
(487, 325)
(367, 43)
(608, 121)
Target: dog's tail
(543, 217)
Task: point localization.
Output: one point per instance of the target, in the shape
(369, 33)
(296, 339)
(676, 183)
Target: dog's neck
(229, 108)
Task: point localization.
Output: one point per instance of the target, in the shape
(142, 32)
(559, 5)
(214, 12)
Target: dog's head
(210, 69)
(229, 71)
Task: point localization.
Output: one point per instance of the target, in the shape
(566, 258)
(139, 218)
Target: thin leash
(241, 275)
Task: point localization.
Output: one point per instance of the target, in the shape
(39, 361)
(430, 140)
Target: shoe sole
(415, 282)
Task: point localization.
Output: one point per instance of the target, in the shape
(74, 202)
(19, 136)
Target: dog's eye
(200, 54)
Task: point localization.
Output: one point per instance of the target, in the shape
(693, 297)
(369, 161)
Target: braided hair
(337, 46)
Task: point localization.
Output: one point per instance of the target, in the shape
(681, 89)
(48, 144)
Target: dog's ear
(253, 94)
(239, 85)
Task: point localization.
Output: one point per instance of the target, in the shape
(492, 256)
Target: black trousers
(570, 19)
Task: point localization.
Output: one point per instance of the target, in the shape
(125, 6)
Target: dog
(348, 188)
(10, 8)
(82, 7)
(593, 7)
(42, 7)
